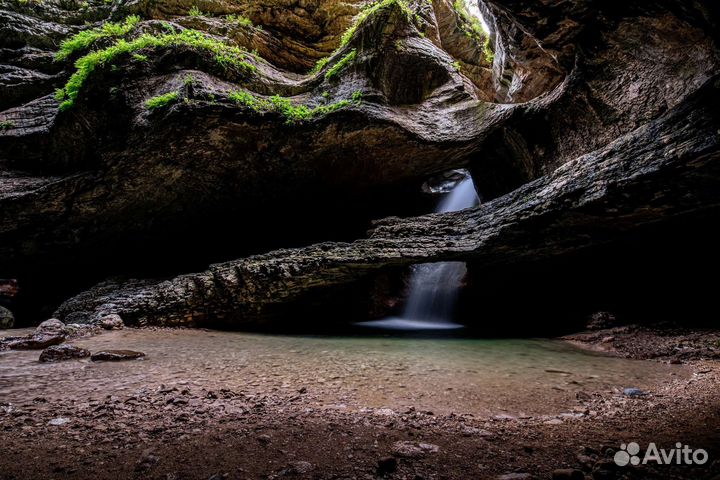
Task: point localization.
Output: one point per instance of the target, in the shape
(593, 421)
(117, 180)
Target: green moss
(240, 20)
(195, 12)
(6, 125)
(82, 40)
(340, 65)
(457, 66)
(227, 56)
(292, 113)
(368, 12)
(188, 80)
(361, 18)
(472, 27)
(139, 57)
(319, 65)
(162, 100)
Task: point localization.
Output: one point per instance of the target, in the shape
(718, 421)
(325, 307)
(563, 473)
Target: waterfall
(434, 287)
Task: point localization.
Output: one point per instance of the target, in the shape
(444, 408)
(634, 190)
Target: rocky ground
(186, 430)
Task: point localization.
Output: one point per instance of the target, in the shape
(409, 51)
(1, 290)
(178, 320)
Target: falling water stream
(434, 287)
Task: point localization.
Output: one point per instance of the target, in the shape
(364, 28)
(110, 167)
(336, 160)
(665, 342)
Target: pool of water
(443, 375)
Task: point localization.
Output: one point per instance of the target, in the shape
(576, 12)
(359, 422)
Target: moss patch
(162, 100)
(293, 113)
(340, 65)
(83, 40)
(227, 56)
(472, 27)
(361, 18)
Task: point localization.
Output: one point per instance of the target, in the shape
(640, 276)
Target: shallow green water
(482, 377)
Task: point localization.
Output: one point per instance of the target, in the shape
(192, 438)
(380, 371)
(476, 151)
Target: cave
(403, 239)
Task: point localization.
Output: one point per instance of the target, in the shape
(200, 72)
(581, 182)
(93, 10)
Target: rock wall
(198, 134)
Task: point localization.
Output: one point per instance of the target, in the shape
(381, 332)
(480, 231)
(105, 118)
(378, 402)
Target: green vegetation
(368, 12)
(474, 29)
(340, 65)
(83, 40)
(364, 14)
(319, 65)
(195, 12)
(188, 80)
(293, 113)
(226, 56)
(140, 57)
(162, 101)
(6, 125)
(457, 66)
(240, 20)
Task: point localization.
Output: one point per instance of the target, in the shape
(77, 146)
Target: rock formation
(174, 145)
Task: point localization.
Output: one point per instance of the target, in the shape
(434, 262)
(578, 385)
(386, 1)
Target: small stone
(111, 322)
(35, 341)
(554, 421)
(386, 465)
(52, 326)
(7, 319)
(633, 392)
(515, 476)
(567, 474)
(115, 355)
(59, 421)
(409, 449)
(57, 353)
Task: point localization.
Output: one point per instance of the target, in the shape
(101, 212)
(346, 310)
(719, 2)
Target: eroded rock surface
(576, 118)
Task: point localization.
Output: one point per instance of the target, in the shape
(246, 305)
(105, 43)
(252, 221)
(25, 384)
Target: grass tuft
(6, 125)
(195, 12)
(83, 40)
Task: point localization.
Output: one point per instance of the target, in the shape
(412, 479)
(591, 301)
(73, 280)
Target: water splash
(434, 287)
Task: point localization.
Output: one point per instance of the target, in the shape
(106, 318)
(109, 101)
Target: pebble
(633, 392)
(115, 355)
(59, 421)
(515, 476)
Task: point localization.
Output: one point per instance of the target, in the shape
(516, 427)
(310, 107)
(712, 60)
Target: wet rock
(567, 474)
(34, 342)
(115, 355)
(52, 326)
(77, 330)
(410, 449)
(111, 322)
(7, 319)
(386, 465)
(57, 353)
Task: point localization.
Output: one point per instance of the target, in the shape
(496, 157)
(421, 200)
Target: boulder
(57, 353)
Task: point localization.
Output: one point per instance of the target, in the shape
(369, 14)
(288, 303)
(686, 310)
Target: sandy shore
(191, 430)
